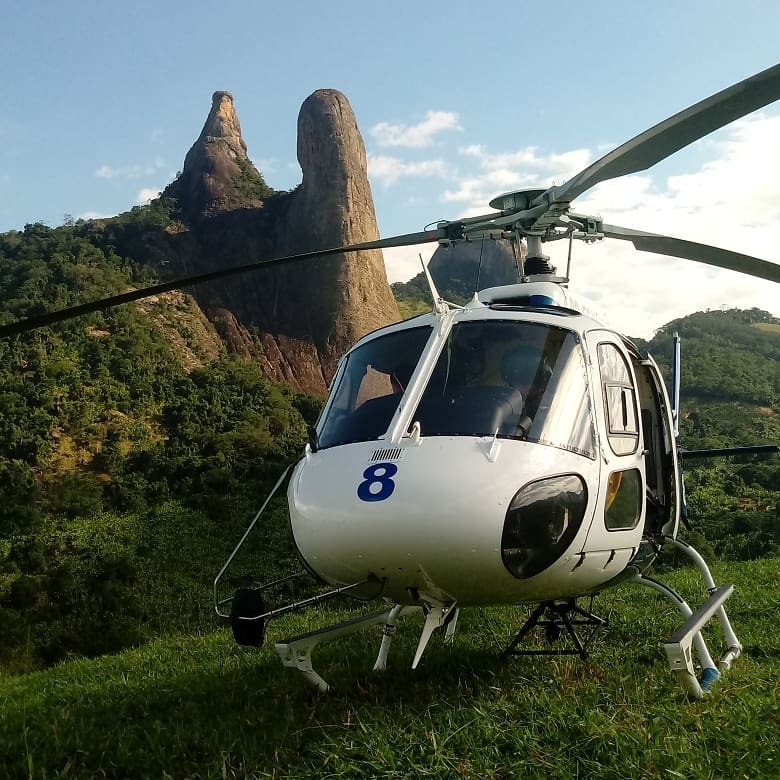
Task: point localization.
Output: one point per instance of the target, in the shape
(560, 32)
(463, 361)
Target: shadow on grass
(202, 714)
(202, 707)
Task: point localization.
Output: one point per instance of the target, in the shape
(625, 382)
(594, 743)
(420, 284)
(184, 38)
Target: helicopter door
(662, 496)
(621, 508)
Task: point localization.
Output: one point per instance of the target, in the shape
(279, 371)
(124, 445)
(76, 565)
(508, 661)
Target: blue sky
(456, 101)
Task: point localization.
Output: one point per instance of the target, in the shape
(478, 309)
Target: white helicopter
(510, 451)
(513, 450)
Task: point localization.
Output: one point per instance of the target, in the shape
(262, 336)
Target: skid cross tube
(560, 614)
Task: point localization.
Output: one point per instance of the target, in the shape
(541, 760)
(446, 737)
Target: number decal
(379, 474)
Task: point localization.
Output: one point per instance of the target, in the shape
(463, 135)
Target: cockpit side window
(619, 400)
(373, 380)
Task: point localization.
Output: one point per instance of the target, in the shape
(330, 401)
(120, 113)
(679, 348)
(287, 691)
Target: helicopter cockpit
(492, 377)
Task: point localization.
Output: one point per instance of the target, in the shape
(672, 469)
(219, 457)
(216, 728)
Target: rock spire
(307, 313)
(218, 175)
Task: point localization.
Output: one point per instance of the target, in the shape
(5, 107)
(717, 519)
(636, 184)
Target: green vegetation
(415, 296)
(251, 183)
(125, 478)
(199, 706)
(730, 397)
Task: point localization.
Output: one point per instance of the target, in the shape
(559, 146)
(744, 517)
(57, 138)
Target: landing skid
(679, 646)
(296, 651)
(557, 617)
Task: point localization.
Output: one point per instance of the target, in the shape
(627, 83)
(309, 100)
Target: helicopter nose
(449, 515)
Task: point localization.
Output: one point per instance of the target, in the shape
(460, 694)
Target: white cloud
(388, 170)
(130, 171)
(87, 215)
(522, 169)
(266, 164)
(414, 136)
(402, 263)
(106, 172)
(146, 194)
(732, 200)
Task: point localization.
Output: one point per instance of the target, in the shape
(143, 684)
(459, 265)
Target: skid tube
(296, 651)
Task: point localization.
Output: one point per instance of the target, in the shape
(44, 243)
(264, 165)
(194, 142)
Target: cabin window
(623, 506)
(619, 400)
(512, 379)
(370, 387)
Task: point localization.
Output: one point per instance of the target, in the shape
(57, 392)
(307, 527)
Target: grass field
(199, 706)
(767, 327)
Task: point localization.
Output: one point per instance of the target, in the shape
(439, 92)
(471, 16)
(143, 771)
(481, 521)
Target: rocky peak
(222, 124)
(218, 175)
(334, 207)
(308, 313)
(470, 266)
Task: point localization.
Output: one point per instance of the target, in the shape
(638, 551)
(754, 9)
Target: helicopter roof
(528, 302)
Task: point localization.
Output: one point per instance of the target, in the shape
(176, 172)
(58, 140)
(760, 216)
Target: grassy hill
(730, 397)
(199, 706)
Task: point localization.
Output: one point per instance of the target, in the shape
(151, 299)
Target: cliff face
(309, 312)
(344, 296)
(475, 265)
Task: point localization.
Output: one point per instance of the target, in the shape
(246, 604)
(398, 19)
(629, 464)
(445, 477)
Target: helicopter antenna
(676, 385)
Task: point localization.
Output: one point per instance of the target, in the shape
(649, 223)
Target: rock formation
(307, 313)
(218, 176)
(476, 265)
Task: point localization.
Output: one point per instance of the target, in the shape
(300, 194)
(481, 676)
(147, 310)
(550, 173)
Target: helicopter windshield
(371, 385)
(518, 380)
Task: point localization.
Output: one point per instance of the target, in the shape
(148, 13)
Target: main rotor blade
(671, 135)
(691, 250)
(21, 326)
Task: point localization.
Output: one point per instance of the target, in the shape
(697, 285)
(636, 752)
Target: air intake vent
(395, 453)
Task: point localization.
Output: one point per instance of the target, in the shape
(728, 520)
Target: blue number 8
(384, 480)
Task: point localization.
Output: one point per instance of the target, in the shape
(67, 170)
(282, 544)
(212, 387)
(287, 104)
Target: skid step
(678, 647)
(679, 651)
